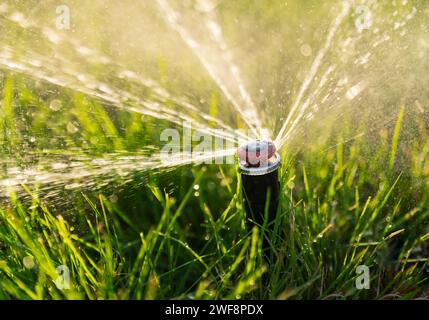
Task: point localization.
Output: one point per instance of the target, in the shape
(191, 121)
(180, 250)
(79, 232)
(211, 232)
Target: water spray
(259, 163)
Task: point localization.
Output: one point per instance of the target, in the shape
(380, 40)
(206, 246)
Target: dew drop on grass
(72, 128)
(55, 105)
(28, 262)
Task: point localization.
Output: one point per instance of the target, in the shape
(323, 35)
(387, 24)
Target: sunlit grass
(338, 210)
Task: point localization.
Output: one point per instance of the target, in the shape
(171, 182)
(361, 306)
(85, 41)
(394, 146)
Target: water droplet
(55, 105)
(72, 128)
(28, 262)
(306, 50)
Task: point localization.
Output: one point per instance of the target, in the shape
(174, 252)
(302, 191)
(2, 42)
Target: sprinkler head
(258, 164)
(258, 157)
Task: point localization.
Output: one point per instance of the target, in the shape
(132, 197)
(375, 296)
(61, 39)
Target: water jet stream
(95, 57)
(102, 91)
(280, 139)
(216, 59)
(298, 114)
(63, 60)
(56, 172)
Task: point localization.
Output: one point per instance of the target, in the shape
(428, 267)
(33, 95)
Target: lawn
(83, 217)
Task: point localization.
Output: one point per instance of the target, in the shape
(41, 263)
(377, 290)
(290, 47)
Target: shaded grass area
(185, 234)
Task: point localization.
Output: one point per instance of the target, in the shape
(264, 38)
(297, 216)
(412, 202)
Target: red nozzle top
(256, 153)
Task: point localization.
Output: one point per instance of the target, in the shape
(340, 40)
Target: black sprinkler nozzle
(258, 164)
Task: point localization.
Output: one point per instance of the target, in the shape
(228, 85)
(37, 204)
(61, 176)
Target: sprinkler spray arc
(258, 165)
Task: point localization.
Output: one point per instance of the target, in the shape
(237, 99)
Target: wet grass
(354, 187)
(185, 234)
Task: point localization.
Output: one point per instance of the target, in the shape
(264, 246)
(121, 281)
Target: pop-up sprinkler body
(259, 163)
